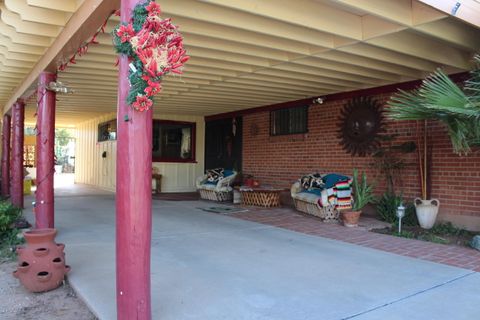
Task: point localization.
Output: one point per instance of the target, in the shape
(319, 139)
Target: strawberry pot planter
(41, 262)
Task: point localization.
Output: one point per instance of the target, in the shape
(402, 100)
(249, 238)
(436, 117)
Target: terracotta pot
(427, 211)
(41, 262)
(350, 218)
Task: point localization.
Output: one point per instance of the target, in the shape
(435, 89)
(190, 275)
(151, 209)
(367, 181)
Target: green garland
(154, 48)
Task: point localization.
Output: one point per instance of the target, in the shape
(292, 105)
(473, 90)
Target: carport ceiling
(247, 53)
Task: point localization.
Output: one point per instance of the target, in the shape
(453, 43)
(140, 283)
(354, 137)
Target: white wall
(92, 169)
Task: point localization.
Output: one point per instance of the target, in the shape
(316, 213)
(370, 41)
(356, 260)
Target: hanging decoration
(361, 122)
(83, 49)
(154, 48)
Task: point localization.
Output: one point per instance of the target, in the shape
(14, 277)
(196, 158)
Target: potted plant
(457, 108)
(426, 209)
(362, 195)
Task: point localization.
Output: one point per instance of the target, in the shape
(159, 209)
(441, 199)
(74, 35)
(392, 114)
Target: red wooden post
(6, 155)
(133, 198)
(44, 201)
(18, 119)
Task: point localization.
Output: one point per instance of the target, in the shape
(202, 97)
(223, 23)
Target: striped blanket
(339, 196)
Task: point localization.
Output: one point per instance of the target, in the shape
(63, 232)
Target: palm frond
(442, 99)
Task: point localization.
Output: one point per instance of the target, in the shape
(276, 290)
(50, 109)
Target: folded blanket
(344, 193)
(339, 196)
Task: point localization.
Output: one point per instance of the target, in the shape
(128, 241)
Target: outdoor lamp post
(400, 215)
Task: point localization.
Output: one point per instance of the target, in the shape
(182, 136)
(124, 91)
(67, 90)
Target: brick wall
(280, 160)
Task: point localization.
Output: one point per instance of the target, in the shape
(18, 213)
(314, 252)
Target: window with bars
(289, 121)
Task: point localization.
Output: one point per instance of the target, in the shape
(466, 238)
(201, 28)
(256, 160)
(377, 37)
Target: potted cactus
(362, 195)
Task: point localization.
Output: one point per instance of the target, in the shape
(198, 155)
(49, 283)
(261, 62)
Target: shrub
(387, 209)
(8, 215)
(8, 233)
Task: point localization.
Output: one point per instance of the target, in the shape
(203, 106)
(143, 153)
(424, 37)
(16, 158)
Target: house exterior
(249, 59)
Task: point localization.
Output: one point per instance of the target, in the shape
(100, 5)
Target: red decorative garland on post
(154, 48)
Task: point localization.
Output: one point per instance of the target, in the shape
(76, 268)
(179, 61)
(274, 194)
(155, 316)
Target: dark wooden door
(223, 144)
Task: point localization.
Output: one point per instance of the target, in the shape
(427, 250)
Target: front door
(223, 144)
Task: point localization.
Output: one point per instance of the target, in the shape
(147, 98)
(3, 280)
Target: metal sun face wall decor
(361, 122)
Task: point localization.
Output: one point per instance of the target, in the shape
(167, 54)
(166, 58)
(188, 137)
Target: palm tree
(441, 99)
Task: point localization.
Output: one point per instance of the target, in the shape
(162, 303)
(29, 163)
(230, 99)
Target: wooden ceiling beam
(383, 54)
(308, 14)
(23, 38)
(244, 21)
(325, 73)
(468, 11)
(421, 47)
(14, 20)
(39, 15)
(453, 32)
(360, 70)
(290, 81)
(404, 12)
(60, 5)
(84, 23)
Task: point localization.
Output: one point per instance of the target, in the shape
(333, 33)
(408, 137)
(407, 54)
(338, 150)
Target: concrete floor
(209, 266)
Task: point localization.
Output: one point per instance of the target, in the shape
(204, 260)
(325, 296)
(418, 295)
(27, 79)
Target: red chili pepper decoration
(157, 47)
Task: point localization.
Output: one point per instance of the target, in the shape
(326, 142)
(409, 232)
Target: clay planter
(350, 218)
(41, 263)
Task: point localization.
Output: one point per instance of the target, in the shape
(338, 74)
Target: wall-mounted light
(59, 87)
(319, 100)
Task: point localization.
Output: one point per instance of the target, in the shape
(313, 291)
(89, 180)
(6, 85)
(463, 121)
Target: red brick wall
(280, 160)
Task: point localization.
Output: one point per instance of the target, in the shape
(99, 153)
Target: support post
(18, 119)
(6, 129)
(44, 200)
(133, 198)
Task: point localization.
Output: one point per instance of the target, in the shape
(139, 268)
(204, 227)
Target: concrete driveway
(209, 266)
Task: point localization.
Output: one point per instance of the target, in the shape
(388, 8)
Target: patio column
(18, 118)
(133, 198)
(44, 201)
(6, 155)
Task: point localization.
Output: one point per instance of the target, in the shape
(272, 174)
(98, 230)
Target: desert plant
(439, 98)
(387, 206)
(362, 191)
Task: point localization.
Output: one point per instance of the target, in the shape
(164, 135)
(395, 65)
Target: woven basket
(215, 195)
(327, 214)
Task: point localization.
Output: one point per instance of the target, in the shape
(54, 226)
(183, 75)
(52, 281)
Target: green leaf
(441, 99)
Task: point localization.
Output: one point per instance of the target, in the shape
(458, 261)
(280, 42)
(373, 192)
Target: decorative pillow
(213, 175)
(312, 181)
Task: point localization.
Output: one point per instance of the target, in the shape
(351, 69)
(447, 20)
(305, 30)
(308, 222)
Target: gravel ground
(16, 303)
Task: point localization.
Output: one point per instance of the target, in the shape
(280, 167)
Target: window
(107, 130)
(173, 141)
(288, 121)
